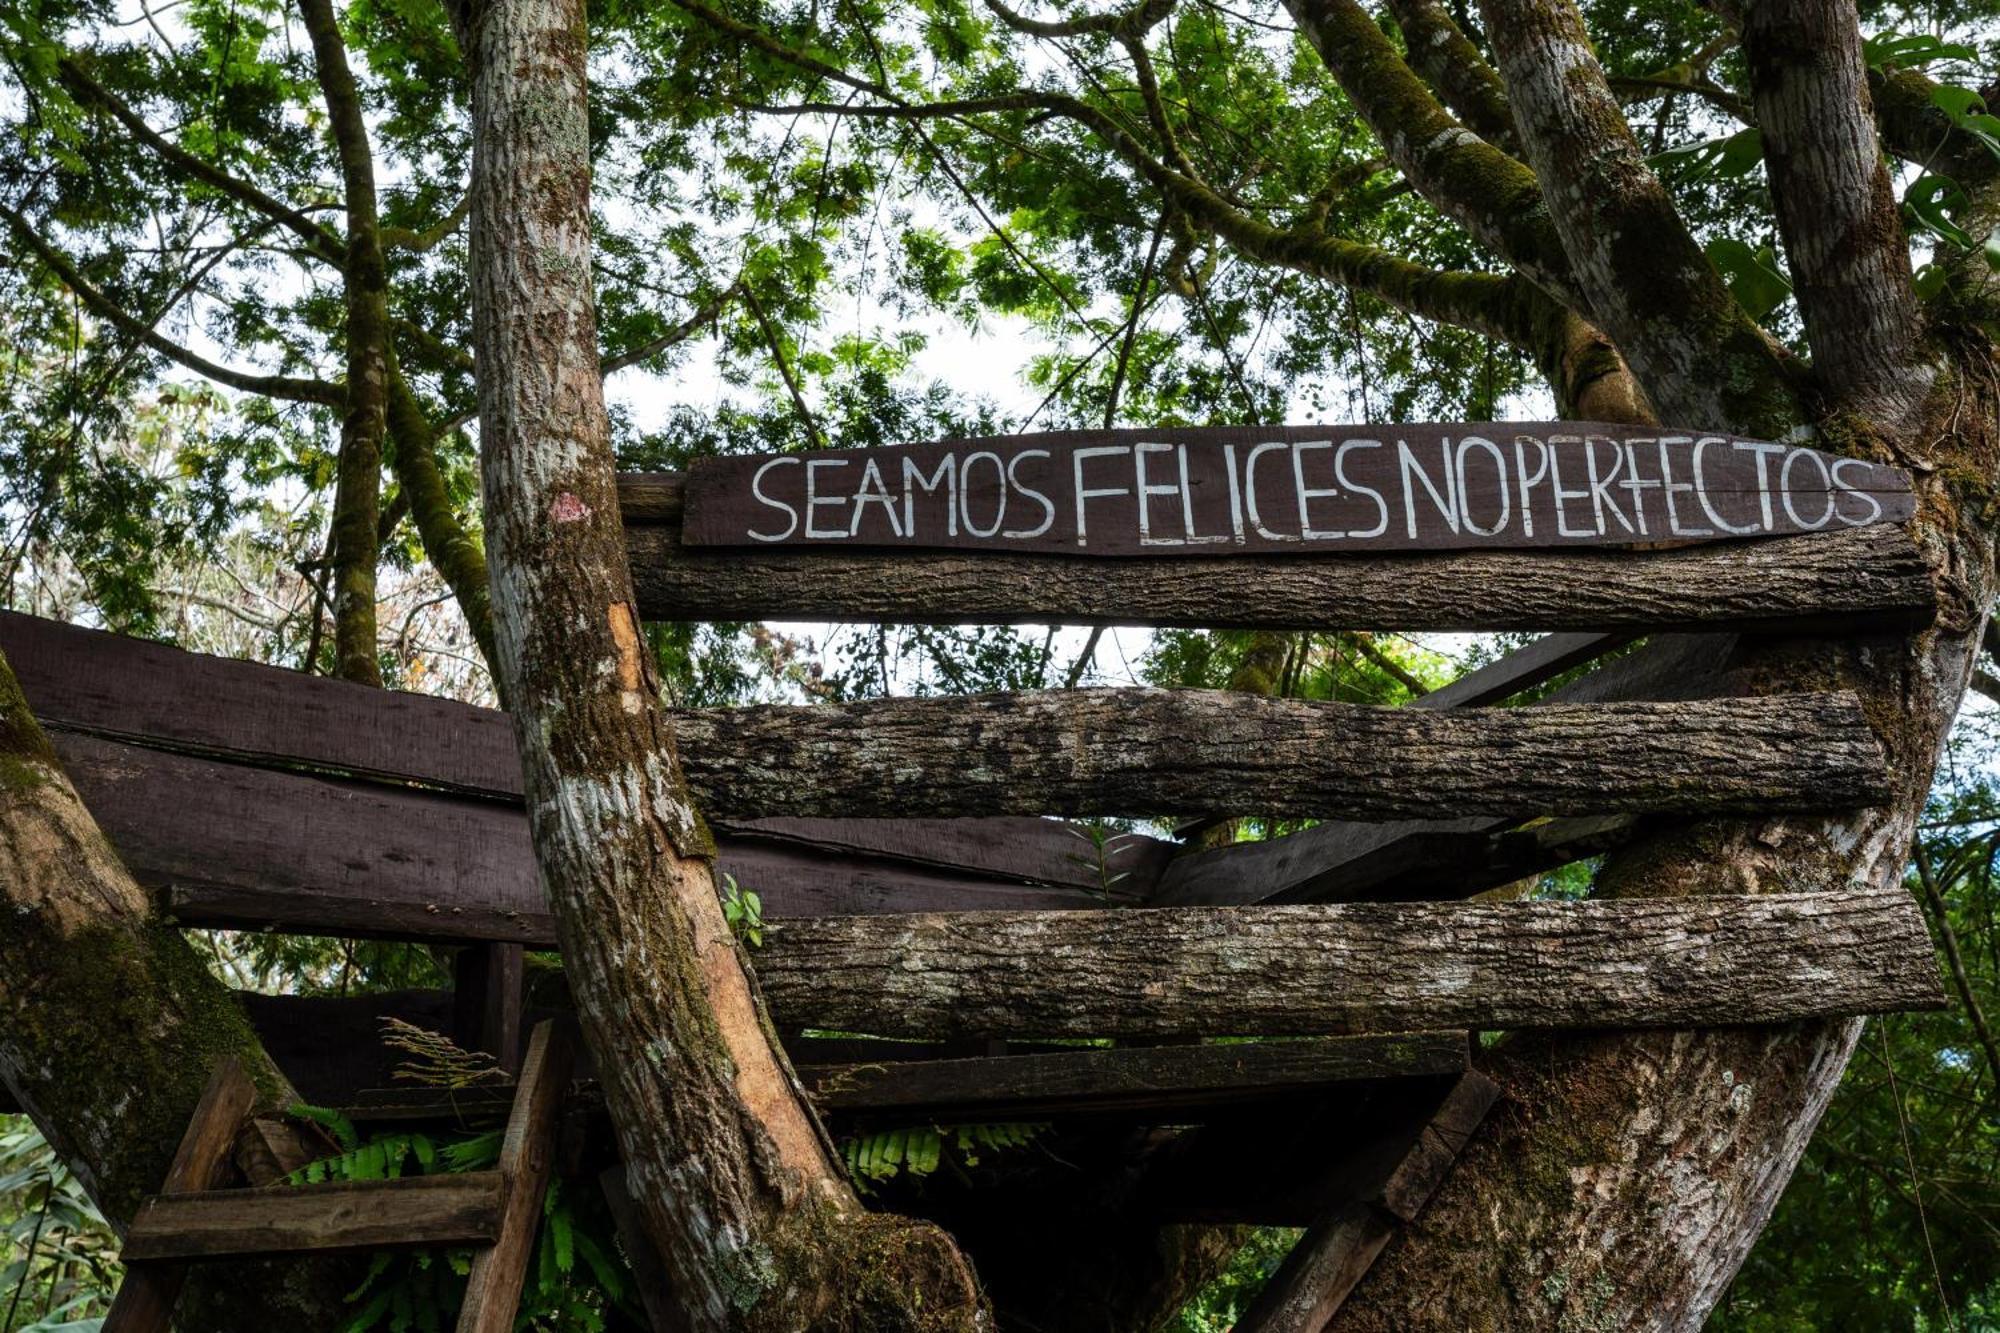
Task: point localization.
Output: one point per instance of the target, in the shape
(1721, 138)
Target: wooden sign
(1223, 490)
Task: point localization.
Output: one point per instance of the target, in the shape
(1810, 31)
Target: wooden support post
(1337, 1251)
(527, 1155)
(145, 1300)
(486, 1012)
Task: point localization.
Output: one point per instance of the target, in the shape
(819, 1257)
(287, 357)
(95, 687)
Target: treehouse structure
(919, 894)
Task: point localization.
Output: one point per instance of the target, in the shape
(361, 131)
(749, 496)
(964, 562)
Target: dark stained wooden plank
(117, 688)
(1862, 578)
(257, 849)
(347, 1217)
(146, 1298)
(1338, 1249)
(1523, 669)
(1332, 489)
(1353, 967)
(527, 1154)
(1035, 851)
(1124, 1079)
(135, 690)
(487, 1001)
(1182, 752)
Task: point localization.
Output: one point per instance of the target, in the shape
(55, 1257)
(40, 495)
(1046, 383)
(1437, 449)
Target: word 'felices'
(1327, 488)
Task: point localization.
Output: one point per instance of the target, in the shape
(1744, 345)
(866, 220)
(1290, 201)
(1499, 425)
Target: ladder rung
(348, 1216)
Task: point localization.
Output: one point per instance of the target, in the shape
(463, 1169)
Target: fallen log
(1358, 967)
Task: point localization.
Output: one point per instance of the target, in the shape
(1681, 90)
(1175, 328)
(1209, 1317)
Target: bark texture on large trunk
(733, 1178)
(1625, 1177)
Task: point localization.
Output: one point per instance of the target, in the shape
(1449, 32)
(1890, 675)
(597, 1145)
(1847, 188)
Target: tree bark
(1625, 1177)
(1355, 967)
(734, 1181)
(353, 542)
(1831, 580)
(1201, 752)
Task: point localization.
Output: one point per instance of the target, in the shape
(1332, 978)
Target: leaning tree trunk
(110, 1024)
(1625, 1177)
(734, 1179)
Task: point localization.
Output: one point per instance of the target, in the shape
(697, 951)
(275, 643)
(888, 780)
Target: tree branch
(358, 477)
(792, 385)
(1122, 23)
(421, 242)
(1447, 60)
(1837, 211)
(452, 549)
(1703, 361)
(680, 333)
(1494, 197)
(270, 386)
(322, 243)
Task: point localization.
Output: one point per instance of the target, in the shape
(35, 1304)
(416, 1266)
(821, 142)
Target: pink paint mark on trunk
(566, 508)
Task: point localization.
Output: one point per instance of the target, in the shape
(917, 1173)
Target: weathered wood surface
(126, 688)
(347, 1217)
(1160, 752)
(1526, 667)
(146, 1298)
(1164, 1078)
(1846, 580)
(1179, 491)
(248, 848)
(1363, 967)
(1338, 1249)
(527, 1155)
(1342, 860)
(117, 688)
(486, 1001)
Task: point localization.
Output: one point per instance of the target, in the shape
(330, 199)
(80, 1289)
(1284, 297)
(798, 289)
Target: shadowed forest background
(788, 260)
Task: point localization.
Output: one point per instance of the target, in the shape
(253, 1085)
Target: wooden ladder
(193, 1219)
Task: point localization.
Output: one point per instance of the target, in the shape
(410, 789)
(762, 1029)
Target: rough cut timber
(1126, 1079)
(1341, 1245)
(344, 1218)
(1361, 967)
(1846, 579)
(1160, 752)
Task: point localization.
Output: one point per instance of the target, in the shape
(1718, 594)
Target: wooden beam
(527, 1155)
(138, 693)
(1339, 1248)
(1861, 576)
(1523, 669)
(1361, 967)
(255, 849)
(344, 1218)
(146, 1298)
(1344, 860)
(487, 984)
(1159, 752)
(1165, 1079)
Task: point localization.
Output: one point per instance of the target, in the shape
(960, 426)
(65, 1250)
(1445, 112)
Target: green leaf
(1955, 101)
(1930, 201)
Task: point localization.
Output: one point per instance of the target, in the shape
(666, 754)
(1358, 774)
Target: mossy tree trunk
(110, 1024)
(1625, 1177)
(734, 1179)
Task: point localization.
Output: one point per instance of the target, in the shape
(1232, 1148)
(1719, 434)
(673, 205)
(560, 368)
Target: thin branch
(792, 386)
(322, 243)
(680, 333)
(271, 386)
(421, 242)
(1961, 980)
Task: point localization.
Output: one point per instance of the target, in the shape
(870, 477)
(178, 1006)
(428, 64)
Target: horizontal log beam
(1127, 1079)
(1342, 860)
(342, 1218)
(1197, 752)
(1364, 967)
(1838, 579)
